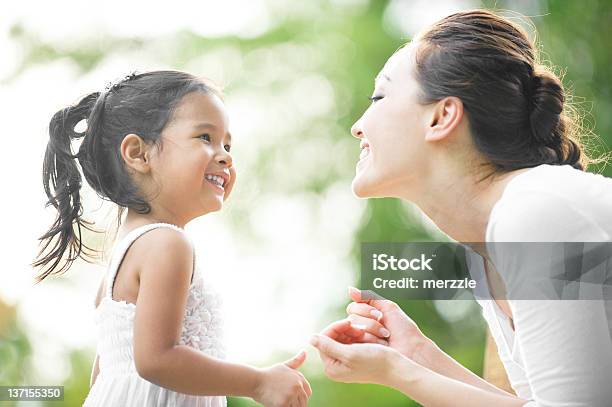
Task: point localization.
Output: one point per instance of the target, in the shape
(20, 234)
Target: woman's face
(391, 131)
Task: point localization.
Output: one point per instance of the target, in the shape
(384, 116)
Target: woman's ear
(135, 153)
(444, 118)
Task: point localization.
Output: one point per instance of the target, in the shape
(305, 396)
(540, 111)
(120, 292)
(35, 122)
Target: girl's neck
(134, 219)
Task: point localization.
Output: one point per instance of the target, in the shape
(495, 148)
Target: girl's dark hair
(516, 107)
(141, 104)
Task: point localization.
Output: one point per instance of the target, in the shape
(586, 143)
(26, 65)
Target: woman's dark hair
(516, 107)
(141, 104)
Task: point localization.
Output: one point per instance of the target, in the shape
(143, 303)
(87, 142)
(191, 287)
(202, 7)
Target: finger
(297, 360)
(339, 330)
(370, 325)
(365, 310)
(328, 346)
(299, 399)
(355, 294)
(303, 397)
(375, 300)
(307, 388)
(369, 338)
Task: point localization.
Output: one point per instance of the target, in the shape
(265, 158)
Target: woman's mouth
(364, 153)
(365, 149)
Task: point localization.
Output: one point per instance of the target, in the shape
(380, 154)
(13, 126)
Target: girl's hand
(404, 334)
(361, 362)
(282, 385)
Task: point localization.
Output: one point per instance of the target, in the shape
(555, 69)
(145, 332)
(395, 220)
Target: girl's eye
(375, 98)
(205, 136)
(227, 147)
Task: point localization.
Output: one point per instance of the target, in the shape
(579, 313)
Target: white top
(118, 383)
(561, 351)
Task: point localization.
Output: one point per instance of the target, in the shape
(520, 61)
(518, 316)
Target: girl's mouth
(217, 180)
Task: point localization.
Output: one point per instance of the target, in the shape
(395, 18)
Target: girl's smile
(218, 180)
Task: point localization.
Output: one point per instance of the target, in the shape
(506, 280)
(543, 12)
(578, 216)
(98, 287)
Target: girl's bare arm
(165, 278)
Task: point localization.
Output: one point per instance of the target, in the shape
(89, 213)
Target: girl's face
(391, 131)
(194, 169)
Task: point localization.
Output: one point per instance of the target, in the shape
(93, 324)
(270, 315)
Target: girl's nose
(356, 129)
(225, 158)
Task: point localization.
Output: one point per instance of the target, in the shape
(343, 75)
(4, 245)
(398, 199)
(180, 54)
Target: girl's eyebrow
(210, 126)
(205, 126)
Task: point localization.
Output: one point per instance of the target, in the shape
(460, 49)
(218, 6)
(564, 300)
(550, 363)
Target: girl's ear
(135, 152)
(444, 118)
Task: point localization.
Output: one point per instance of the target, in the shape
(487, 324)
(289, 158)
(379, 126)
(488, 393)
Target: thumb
(296, 361)
(355, 294)
(328, 346)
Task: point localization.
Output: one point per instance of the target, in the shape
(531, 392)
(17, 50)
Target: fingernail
(376, 314)
(314, 340)
(351, 288)
(384, 332)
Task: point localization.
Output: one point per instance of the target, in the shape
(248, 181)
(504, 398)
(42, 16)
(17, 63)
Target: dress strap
(124, 244)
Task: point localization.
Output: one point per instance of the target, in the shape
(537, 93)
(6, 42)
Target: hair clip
(116, 84)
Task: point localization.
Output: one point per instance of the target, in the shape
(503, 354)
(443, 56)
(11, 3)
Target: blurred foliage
(347, 47)
(14, 347)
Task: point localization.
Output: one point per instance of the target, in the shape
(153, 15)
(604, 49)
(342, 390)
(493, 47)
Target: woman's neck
(460, 205)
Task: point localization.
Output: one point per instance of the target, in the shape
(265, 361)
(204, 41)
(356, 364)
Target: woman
(468, 126)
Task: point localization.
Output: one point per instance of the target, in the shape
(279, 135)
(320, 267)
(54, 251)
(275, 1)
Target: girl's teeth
(364, 153)
(215, 179)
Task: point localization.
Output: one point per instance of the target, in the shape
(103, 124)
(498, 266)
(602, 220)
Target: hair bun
(547, 100)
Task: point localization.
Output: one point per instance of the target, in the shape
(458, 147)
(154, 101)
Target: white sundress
(118, 383)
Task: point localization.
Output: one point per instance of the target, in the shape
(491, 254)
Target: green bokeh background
(349, 49)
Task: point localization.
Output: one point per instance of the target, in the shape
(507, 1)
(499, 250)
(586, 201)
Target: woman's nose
(356, 129)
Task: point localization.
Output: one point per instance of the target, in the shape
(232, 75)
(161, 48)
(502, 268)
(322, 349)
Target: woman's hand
(346, 331)
(403, 333)
(362, 362)
(282, 385)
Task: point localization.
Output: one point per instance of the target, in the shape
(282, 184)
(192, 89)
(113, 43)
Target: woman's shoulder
(553, 203)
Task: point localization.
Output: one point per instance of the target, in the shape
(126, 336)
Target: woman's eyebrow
(381, 75)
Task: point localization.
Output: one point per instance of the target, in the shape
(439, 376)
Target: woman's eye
(227, 147)
(205, 137)
(375, 98)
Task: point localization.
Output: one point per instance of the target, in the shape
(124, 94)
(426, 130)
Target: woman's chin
(362, 188)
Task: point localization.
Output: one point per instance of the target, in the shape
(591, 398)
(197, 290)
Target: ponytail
(62, 184)
(141, 104)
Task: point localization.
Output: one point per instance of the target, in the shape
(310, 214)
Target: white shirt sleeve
(565, 344)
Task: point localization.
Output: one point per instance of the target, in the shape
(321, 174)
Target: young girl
(156, 143)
